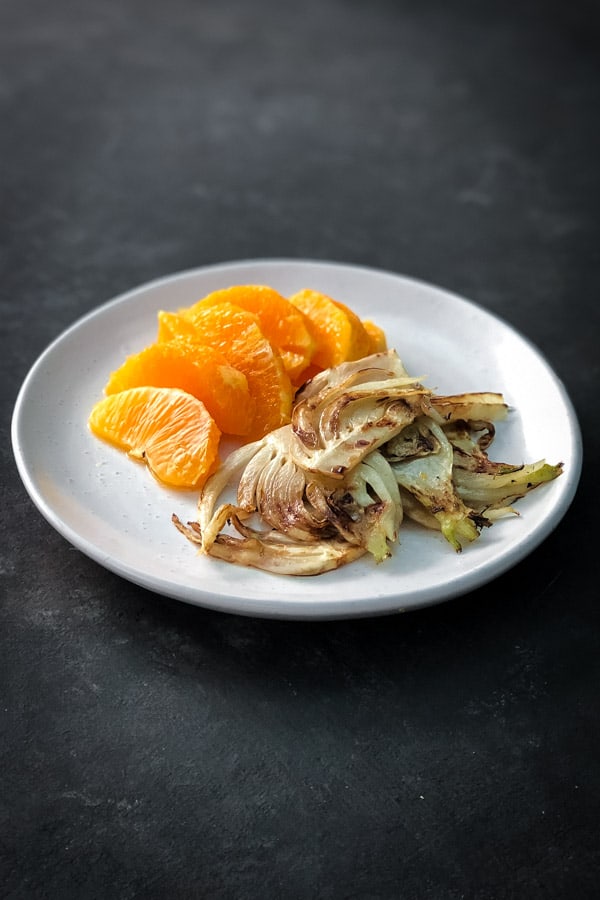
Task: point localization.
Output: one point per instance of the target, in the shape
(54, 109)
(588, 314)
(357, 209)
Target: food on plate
(244, 351)
(339, 442)
(284, 326)
(237, 334)
(168, 429)
(338, 333)
(198, 369)
(367, 444)
(377, 338)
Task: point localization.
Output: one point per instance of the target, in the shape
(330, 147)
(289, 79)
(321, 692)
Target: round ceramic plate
(113, 510)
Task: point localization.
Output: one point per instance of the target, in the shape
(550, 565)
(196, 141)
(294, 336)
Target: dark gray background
(150, 749)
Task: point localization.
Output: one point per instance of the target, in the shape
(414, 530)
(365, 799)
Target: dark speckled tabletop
(151, 749)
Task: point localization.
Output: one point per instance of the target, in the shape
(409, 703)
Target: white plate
(113, 510)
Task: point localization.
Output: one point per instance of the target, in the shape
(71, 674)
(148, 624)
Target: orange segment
(168, 429)
(174, 327)
(239, 337)
(377, 338)
(280, 321)
(197, 369)
(361, 342)
(338, 332)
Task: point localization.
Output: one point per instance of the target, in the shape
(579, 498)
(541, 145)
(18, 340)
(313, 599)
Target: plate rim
(271, 608)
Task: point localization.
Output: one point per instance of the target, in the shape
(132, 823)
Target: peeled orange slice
(282, 323)
(237, 334)
(168, 429)
(199, 370)
(338, 332)
(377, 338)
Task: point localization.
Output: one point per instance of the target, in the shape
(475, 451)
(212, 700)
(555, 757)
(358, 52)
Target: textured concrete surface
(153, 750)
